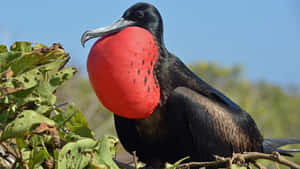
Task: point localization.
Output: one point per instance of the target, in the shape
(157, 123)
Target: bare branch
(242, 158)
(4, 164)
(9, 149)
(272, 157)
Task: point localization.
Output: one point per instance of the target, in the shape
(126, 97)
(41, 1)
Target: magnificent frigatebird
(163, 111)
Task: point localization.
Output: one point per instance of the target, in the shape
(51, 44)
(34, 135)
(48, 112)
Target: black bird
(163, 111)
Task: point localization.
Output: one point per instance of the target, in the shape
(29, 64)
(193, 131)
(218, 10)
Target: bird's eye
(139, 14)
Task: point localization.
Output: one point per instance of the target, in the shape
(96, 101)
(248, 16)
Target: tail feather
(272, 145)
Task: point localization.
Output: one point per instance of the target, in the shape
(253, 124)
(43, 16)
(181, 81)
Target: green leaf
(62, 117)
(174, 166)
(26, 153)
(234, 166)
(3, 117)
(3, 48)
(7, 58)
(37, 156)
(78, 123)
(38, 46)
(33, 58)
(20, 142)
(56, 155)
(45, 91)
(75, 121)
(76, 155)
(21, 46)
(105, 151)
(61, 76)
(36, 140)
(26, 80)
(86, 152)
(22, 57)
(23, 123)
(43, 109)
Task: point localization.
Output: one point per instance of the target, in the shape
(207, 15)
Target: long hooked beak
(99, 32)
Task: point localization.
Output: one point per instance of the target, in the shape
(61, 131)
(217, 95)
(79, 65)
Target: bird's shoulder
(181, 75)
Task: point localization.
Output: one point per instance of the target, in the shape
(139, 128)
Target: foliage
(39, 133)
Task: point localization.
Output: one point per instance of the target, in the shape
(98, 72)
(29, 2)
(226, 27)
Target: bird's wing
(213, 129)
(188, 79)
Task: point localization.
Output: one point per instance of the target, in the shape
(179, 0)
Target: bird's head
(143, 15)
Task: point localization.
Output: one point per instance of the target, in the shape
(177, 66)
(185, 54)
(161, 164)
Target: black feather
(272, 145)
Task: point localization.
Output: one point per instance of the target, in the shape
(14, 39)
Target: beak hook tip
(84, 38)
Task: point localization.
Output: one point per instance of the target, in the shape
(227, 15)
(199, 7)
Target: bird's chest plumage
(154, 128)
(162, 136)
(120, 68)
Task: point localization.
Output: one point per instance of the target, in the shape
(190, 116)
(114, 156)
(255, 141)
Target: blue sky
(264, 36)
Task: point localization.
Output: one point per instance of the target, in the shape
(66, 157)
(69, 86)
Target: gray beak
(116, 27)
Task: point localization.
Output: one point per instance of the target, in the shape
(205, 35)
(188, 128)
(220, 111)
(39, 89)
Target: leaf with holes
(88, 152)
(6, 58)
(105, 151)
(23, 57)
(23, 123)
(76, 155)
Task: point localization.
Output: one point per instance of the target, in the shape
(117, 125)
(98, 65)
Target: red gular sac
(120, 68)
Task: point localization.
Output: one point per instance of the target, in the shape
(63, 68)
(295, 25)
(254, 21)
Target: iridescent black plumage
(192, 119)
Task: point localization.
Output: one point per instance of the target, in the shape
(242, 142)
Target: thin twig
(61, 105)
(277, 166)
(202, 164)
(9, 149)
(135, 160)
(257, 164)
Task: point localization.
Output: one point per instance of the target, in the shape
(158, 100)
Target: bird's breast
(120, 68)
